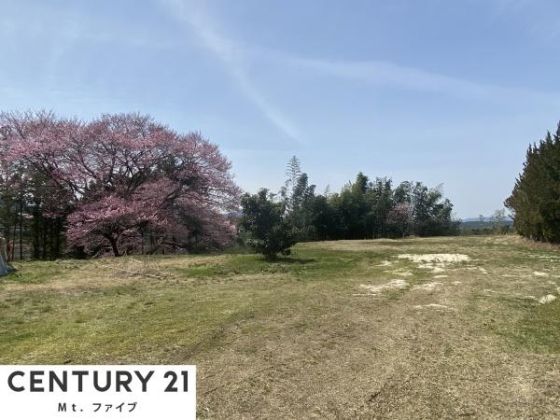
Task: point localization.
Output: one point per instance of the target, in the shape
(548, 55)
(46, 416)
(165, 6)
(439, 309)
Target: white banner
(144, 392)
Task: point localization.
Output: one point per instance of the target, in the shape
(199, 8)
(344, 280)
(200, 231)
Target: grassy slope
(297, 338)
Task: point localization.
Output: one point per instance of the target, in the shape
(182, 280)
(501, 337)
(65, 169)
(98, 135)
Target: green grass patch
(538, 330)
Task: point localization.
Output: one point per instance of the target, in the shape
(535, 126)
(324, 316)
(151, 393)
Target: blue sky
(446, 92)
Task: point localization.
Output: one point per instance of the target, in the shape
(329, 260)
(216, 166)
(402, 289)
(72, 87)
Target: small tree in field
(265, 226)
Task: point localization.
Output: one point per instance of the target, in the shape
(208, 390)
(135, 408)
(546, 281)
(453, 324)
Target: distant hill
(485, 219)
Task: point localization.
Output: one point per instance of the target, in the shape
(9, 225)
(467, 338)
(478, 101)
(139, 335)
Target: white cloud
(388, 74)
(372, 72)
(233, 57)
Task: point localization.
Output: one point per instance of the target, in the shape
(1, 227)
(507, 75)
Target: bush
(264, 225)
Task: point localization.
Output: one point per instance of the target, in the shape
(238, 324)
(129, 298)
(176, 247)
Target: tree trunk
(21, 229)
(57, 238)
(114, 246)
(35, 228)
(13, 248)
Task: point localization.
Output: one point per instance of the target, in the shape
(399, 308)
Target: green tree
(535, 199)
(379, 197)
(325, 218)
(354, 209)
(432, 214)
(264, 225)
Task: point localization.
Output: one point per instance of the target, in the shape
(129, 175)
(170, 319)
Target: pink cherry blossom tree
(125, 179)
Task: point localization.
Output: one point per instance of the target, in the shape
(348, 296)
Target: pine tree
(535, 199)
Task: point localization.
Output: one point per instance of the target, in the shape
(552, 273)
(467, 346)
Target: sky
(445, 92)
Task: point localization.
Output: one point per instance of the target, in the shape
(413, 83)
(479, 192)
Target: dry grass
(297, 338)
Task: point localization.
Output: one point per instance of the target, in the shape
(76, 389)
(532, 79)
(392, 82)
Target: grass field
(346, 329)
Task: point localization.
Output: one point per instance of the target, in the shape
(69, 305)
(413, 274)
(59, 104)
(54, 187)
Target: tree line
(535, 199)
(125, 184)
(364, 209)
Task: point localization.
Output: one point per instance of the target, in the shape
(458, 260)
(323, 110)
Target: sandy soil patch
(395, 284)
(435, 258)
(436, 263)
(547, 299)
(428, 287)
(402, 273)
(384, 263)
(435, 306)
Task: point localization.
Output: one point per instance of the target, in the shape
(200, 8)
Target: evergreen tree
(535, 199)
(264, 225)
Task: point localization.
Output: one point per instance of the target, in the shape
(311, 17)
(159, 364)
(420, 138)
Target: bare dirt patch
(403, 273)
(539, 274)
(436, 263)
(547, 299)
(428, 287)
(436, 258)
(385, 263)
(436, 306)
(396, 284)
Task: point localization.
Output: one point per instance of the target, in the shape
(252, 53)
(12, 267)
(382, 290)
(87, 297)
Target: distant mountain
(491, 219)
(487, 223)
